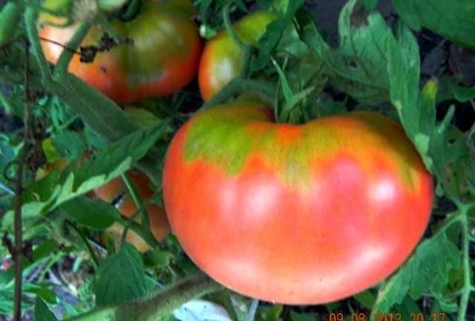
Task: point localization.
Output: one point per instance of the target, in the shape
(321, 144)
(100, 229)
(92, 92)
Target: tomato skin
(126, 206)
(163, 58)
(222, 58)
(295, 214)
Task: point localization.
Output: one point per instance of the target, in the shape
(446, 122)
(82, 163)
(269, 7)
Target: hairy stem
(157, 306)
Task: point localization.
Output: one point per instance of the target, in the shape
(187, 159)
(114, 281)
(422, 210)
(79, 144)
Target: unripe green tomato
(222, 57)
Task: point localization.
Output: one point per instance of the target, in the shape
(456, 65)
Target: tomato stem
(289, 106)
(61, 68)
(30, 24)
(229, 26)
(130, 11)
(158, 306)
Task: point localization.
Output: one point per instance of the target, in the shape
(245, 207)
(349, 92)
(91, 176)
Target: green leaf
(272, 313)
(370, 4)
(302, 316)
(270, 39)
(42, 312)
(451, 19)
(422, 141)
(6, 301)
(404, 72)
(69, 144)
(97, 170)
(121, 277)
(424, 271)
(92, 213)
(358, 66)
(366, 299)
(42, 292)
(450, 89)
(158, 258)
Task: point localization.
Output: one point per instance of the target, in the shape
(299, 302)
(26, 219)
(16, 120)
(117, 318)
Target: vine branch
(18, 226)
(157, 306)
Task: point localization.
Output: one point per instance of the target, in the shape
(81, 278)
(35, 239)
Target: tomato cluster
(297, 214)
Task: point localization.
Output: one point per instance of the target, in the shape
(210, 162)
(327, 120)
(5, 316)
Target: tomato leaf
(302, 316)
(417, 110)
(423, 271)
(104, 116)
(158, 258)
(270, 39)
(449, 89)
(69, 144)
(42, 312)
(358, 66)
(121, 277)
(370, 4)
(45, 195)
(271, 313)
(404, 70)
(92, 213)
(451, 19)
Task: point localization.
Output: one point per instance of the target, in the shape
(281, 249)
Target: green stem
(239, 86)
(158, 306)
(131, 10)
(144, 233)
(291, 103)
(83, 238)
(61, 68)
(248, 51)
(229, 27)
(144, 219)
(36, 49)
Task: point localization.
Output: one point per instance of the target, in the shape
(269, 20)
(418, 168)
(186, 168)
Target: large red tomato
(163, 58)
(296, 214)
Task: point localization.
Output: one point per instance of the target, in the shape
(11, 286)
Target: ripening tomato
(295, 214)
(222, 58)
(116, 191)
(163, 58)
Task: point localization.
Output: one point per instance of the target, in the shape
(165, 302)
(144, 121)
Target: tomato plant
(116, 191)
(162, 58)
(297, 214)
(222, 57)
